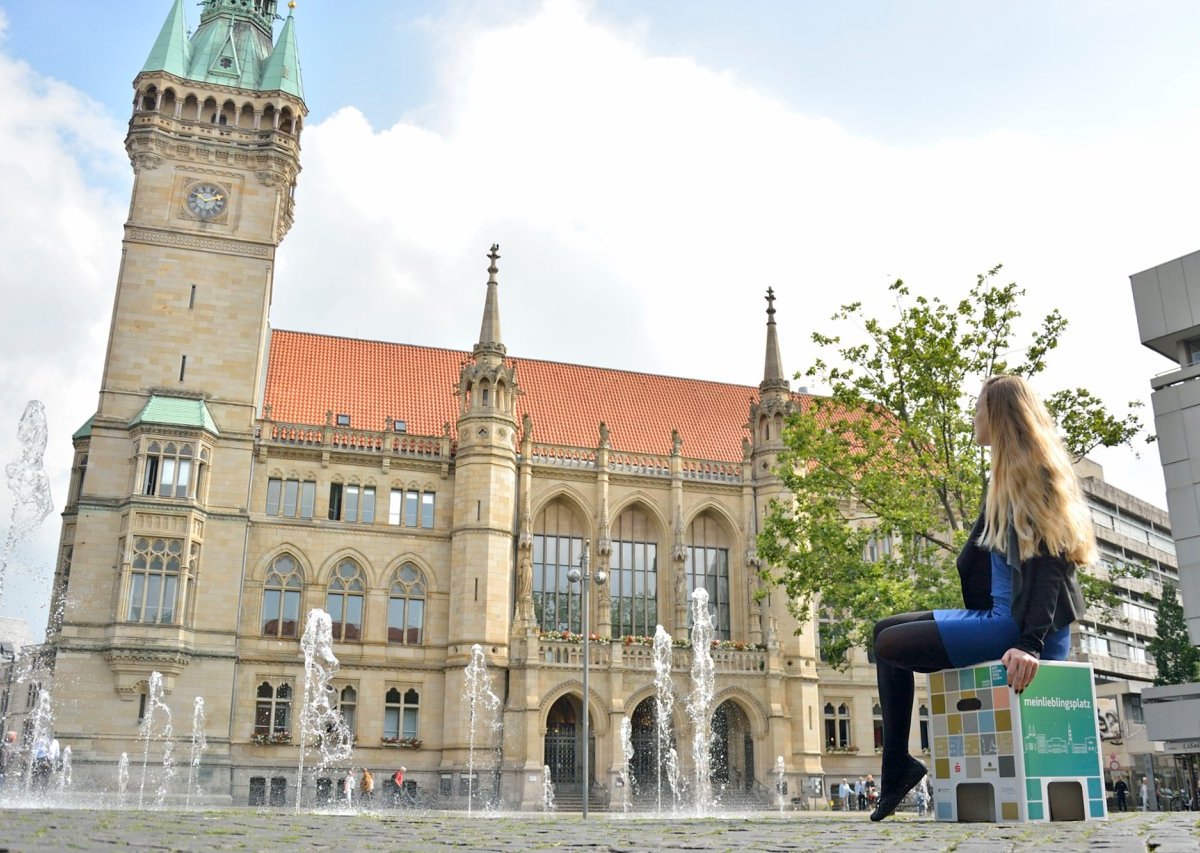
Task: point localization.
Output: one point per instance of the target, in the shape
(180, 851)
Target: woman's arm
(1045, 577)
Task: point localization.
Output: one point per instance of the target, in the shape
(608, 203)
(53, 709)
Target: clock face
(207, 200)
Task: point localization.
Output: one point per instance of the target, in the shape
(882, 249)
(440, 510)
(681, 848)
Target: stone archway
(561, 743)
(732, 748)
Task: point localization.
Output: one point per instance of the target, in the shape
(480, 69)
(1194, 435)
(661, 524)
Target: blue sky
(649, 168)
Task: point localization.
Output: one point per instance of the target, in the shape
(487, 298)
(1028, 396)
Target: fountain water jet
(780, 769)
(700, 703)
(199, 744)
(664, 706)
(38, 763)
(319, 719)
(626, 759)
(123, 774)
(154, 702)
(547, 790)
(28, 482)
(483, 705)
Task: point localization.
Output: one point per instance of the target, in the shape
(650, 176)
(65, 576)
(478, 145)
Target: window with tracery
(707, 566)
(406, 606)
(557, 546)
(344, 601)
(633, 575)
(154, 580)
(281, 598)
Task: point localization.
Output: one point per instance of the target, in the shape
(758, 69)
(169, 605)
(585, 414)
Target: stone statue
(676, 442)
(603, 434)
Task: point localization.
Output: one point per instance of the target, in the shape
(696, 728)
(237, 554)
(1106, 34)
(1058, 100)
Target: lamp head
(574, 575)
(599, 577)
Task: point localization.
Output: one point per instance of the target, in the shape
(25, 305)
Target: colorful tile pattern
(1049, 737)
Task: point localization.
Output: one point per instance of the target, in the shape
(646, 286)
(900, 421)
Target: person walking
(1017, 572)
(398, 783)
(1145, 794)
(872, 790)
(366, 787)
(860, 794)
(1122, 791)
(845, 792)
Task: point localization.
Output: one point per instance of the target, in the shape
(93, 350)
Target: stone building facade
(235, 477)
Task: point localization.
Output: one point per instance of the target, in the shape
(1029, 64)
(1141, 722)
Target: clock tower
(155, 528)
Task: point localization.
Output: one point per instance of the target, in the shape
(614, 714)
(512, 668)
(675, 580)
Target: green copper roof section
(171, 49)
(176, 411)
(229, 51)
(84, 431)
(283, 68)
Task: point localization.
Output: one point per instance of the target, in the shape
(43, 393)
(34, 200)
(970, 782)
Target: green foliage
(1178, 661)
(890, 455)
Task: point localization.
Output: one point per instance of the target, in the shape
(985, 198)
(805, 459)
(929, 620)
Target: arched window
(281, 598)
(273, 710)
(168, 469)
(344, 602)
(557, 545)
(406, 606)
(633, 579)
(877, 726)
(400, 715)
(837, 726)
(155, 580)
(707, 566)
(347, 706)
(923, 718)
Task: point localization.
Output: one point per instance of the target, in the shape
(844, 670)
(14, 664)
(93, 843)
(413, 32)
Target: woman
(1017, 571)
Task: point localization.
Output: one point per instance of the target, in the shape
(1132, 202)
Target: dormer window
(399, 425)
(343, 420)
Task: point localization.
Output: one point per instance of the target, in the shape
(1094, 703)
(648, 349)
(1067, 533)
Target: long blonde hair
(1032, 486)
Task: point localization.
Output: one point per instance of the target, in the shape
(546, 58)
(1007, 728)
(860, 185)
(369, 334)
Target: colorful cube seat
(1002, 757)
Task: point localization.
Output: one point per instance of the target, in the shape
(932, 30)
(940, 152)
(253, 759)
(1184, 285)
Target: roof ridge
(522, 359)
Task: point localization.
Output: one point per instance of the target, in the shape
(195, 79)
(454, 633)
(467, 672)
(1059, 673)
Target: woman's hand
(1021, 666)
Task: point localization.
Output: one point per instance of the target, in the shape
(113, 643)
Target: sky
(648, 168)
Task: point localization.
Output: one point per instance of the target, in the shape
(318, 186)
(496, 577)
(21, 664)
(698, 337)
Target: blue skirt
(975, 636)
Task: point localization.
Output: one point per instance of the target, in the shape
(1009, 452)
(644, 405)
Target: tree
(885, 474)
(1177, 659)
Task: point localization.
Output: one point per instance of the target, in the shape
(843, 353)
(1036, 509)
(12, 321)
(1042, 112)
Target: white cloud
(643, 205)
(60, 240)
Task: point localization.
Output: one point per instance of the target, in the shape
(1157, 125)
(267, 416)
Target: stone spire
(489, 330)
(773, 377)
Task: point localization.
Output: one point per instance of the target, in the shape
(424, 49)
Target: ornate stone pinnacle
(770, 305)
(493, 256)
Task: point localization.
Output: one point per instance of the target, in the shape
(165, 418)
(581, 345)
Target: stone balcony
(638, 657)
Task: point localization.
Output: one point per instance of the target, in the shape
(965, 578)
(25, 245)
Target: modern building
(235, 477)
(1167, 301)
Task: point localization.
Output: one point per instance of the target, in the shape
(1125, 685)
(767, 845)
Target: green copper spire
(232, 46)
(283, 68)
(171, 51)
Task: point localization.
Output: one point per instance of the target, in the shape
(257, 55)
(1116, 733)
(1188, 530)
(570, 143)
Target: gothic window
(347, 706)
(406, 606)
(281, 598)
(169, 469)
(557, 546)
(877, 726)
(77, 478)
(707, 566)
(291, 498)
(344, 602)
(352, 503)
(154, 581)
(400, 712)
(273, 710)
(633, 579)
(923, 717)
(411, 508)
(837, 726)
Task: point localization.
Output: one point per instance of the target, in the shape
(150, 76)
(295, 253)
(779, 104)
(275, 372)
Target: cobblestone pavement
(248, 829)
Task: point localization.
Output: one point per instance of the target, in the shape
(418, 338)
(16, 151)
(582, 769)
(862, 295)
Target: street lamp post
(582, 576)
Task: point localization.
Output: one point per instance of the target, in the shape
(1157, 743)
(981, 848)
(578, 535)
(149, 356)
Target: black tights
(904, 644)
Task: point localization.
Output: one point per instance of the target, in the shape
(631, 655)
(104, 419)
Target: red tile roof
(374, 381)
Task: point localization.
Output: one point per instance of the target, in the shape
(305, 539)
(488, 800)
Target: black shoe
(888, 802)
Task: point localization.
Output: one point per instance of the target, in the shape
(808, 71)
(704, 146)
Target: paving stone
(24, 829)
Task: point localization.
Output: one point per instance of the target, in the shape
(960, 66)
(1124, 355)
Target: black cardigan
(1046, 591)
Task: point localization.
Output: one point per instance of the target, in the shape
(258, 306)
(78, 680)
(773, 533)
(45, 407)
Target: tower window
(182, 366)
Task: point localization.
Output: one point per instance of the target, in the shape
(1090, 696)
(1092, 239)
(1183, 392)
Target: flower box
(401, 742)
(271, 738)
